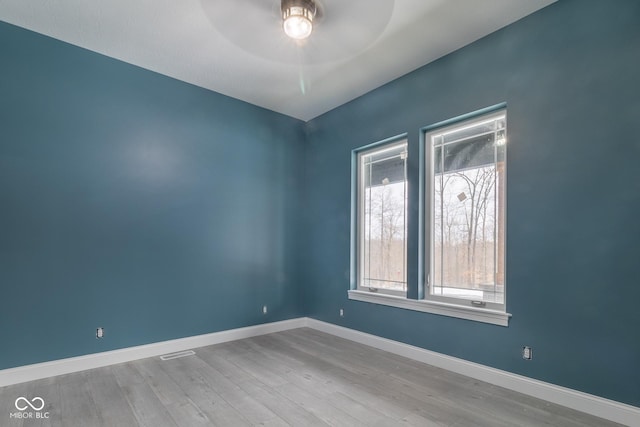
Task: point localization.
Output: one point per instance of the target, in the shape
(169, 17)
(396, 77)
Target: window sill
(469, 313)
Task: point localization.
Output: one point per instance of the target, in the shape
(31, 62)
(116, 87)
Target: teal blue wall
(570, 75)
(135, 202)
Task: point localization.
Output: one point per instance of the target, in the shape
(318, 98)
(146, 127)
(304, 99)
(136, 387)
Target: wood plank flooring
(300, 377)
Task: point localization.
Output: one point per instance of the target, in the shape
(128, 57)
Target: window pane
(468, 211)
(382, 215)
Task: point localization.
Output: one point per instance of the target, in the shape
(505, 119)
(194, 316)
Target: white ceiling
(237, 47)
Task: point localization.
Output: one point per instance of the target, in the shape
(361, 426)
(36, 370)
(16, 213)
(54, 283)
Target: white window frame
(456, 310)
(389, 144)
(429, 219)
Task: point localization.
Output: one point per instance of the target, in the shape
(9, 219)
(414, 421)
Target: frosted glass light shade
(297, 27)
(297, 17)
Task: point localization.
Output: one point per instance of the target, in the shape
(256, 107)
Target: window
(382, 218)
(462, 203)
(466, 212)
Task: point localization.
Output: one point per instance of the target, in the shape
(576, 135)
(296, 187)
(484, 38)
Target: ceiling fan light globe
(297, 18)
(297, 27)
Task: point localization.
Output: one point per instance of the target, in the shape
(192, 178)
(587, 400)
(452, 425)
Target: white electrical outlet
(527, 353)
(264, 309)
(341, 312)
(99, 332)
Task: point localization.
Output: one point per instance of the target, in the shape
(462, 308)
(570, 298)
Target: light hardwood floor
(300, 377)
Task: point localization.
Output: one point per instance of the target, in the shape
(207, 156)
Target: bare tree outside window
(382, 210)
(467, 226)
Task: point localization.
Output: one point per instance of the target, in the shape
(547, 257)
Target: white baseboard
(75, 364)
(583, 402)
